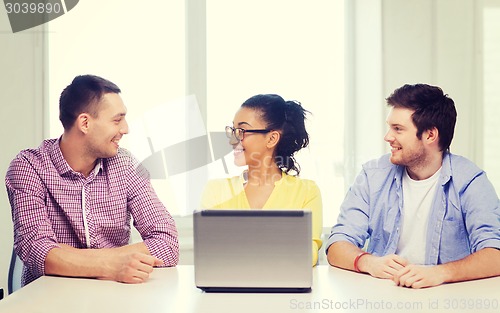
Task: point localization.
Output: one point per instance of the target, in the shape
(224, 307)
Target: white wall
(21, 123)
(433, 41)
(391, 43)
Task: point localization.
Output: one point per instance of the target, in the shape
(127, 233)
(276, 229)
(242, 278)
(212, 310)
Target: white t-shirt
(418, 196)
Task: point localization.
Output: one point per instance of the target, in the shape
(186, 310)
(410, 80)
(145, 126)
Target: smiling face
(252, 149)
(407, 149)
(107, 128)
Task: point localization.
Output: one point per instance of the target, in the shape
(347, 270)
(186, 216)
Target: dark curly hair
(288, 117)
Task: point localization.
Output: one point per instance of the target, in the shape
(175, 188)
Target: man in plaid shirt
(73, 197)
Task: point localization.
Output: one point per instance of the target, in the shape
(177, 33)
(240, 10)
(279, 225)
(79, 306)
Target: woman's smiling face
(252, 148)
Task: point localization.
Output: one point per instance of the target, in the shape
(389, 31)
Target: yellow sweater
(289, 192)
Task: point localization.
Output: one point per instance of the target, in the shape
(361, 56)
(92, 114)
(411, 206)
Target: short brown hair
(83, 95)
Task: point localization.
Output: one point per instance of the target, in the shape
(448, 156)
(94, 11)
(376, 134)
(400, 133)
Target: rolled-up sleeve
(353, 221)
(482, 213)
(151, 218)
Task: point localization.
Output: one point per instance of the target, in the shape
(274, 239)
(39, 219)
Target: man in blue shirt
(427, 216)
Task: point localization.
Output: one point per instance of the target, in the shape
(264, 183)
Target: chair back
(15, 273)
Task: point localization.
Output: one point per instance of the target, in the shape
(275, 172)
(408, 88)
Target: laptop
(253, 250)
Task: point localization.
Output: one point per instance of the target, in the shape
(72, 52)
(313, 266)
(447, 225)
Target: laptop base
(254, 290)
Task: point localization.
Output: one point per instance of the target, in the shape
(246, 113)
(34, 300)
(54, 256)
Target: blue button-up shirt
(464, 218)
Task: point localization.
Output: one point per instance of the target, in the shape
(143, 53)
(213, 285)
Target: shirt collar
(445, 175)
(446, 169)
(60, 163)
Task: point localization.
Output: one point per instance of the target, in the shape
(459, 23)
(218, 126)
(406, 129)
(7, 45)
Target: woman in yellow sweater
(266, 133)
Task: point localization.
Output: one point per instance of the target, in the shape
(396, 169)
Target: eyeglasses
(239, 133)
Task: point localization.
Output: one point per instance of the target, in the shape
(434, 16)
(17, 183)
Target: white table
(173, 290)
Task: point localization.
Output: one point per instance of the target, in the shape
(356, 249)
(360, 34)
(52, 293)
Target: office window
(294, 49)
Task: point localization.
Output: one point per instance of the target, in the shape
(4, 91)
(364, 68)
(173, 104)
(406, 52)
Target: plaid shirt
(53, 204)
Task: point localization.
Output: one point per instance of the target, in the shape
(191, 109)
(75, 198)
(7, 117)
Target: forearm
(481, 264)
(92, 263)
(342, 254)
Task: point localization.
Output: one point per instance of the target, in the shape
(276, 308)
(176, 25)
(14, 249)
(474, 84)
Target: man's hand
(401, 271)
(382, 267)
(419, 276)
(342, 254)
(130, 268)
(127, 264)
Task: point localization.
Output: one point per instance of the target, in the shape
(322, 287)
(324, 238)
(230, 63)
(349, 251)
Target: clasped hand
(403, 273)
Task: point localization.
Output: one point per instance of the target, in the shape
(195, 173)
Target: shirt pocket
(454, 241)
